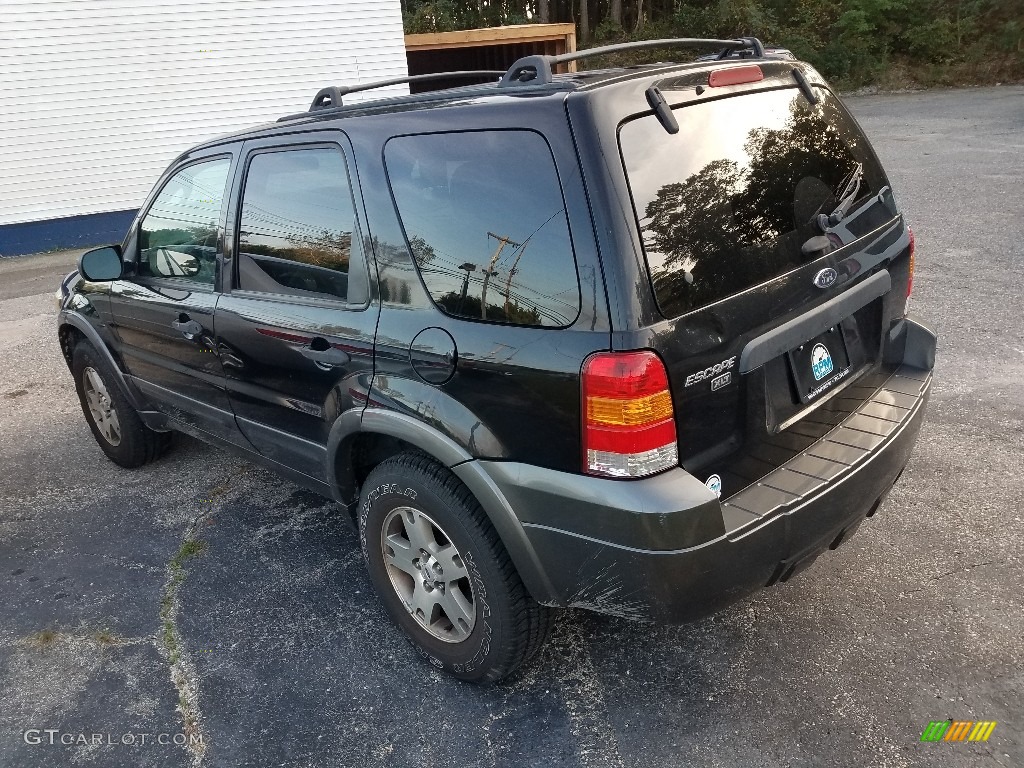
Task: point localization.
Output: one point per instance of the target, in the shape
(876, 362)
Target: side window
(485, 219)
(296, 224)
(178, 236)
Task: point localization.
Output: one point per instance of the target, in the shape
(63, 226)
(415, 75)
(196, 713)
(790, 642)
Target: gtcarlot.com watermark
(55, 737)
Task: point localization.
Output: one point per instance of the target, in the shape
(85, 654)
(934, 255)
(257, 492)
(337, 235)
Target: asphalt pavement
(202, 611)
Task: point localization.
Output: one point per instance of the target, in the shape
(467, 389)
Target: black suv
(632, 340)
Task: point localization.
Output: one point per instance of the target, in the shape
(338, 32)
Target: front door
(295, 331)
(163, 309)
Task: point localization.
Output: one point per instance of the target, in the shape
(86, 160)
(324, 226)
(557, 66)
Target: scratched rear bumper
(665, 549)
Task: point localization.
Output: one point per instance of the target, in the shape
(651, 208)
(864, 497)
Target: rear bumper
(664, 549)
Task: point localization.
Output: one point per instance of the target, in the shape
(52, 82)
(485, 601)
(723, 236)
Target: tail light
(910, 279)
(629, 427)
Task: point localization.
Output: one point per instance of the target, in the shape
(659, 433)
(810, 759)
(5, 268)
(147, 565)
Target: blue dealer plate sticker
(819, 364)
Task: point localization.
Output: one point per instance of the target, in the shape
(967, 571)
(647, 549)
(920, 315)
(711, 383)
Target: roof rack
(539, 68)
(329, 97)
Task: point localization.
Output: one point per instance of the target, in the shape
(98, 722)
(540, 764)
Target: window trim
(412, 257)
(238, 199)
(173, 171)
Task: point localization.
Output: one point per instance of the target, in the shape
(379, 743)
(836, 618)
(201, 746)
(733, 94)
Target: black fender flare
(453, 456)
(86, 328)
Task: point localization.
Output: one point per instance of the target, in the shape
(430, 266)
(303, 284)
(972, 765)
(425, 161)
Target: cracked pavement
(202, 586)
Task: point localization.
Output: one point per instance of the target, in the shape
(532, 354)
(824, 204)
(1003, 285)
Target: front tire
(442, 573)
(116, 426)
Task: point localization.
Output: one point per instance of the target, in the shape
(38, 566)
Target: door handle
(320, 351)
(228, 358)
(187, 327)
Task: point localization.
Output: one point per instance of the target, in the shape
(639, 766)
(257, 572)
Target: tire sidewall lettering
(484, 630)
(480, 594)
(383, 489)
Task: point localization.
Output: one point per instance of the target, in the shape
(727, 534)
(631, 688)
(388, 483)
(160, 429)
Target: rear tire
(116, 426)
(442, 573)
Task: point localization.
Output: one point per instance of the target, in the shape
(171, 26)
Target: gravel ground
(202, 598)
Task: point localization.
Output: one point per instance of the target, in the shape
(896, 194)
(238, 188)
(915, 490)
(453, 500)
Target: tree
(615, 12)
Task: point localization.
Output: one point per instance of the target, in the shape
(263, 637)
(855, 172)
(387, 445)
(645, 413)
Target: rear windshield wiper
(850, 191)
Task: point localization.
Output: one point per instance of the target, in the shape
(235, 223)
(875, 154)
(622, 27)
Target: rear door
(163, 307)
(767, 226)
(295, 329)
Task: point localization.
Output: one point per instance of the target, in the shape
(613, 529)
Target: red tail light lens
(629, 427)
(910, 279)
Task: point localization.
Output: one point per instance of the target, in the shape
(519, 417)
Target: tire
(463, 606)
(116, 426)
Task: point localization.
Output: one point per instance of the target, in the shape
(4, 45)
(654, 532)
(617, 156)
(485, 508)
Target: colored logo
(714, 483)
(825, 277)
(821, 362)
(958, 730)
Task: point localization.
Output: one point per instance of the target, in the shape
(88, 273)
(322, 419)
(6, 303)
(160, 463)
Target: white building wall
(98, 96)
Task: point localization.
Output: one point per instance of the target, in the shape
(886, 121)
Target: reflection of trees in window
(733, 224)
(510, 312)
(197, 235)
(809, 145)
(691, 224)
(422, 251)
(327, 249)
(389, 256)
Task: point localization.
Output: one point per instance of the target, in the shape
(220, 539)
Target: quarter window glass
(178, 236)
(296, 224)
(485, 219)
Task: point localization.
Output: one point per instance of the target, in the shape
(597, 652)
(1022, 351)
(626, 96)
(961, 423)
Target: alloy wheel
(101, 407)
(429, 574)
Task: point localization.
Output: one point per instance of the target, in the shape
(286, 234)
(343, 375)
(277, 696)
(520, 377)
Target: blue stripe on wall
(71, 232)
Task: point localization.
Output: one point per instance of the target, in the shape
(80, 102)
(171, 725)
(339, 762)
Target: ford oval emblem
(826, 277)
(714, 484)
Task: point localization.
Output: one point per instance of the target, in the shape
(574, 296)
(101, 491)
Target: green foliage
(852, 42)
(449, 15)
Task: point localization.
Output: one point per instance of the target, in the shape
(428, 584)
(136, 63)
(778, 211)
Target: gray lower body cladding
(663, 550)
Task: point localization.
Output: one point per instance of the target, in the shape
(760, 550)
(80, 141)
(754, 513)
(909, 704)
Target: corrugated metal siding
(98, 96)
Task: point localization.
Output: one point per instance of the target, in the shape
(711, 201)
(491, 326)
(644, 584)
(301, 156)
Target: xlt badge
(713, 370)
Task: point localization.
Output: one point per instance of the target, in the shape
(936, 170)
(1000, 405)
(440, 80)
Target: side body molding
(446, 451)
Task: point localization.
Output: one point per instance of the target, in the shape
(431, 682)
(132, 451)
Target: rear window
(750, 188)
(485, 220)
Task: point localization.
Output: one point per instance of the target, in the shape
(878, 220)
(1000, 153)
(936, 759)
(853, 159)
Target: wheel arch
(361, 439)
(73, 328)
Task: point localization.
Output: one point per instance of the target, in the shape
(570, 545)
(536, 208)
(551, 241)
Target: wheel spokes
(401, 556)
(113, 427)
(104, 414)
(459, 611)
(418, 529)
(428, 574)
(424, 603)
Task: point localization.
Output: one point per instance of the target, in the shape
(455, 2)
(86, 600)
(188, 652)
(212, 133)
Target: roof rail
(539, 68)
(331, 96)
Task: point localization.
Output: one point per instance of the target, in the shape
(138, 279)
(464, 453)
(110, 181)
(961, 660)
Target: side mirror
(101, 264)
